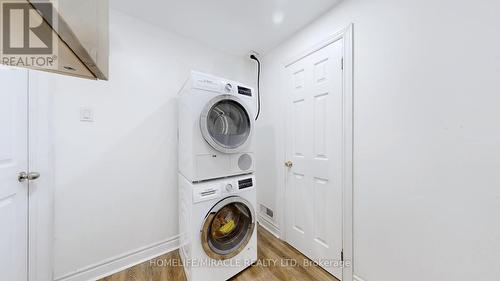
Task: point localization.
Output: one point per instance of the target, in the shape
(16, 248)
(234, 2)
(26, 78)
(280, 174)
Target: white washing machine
(216, 123)
(217, 219)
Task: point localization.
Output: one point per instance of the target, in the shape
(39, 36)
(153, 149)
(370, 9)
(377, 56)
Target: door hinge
(342, 64)
(342, 255)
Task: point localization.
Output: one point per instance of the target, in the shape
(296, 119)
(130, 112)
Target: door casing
(41, 191)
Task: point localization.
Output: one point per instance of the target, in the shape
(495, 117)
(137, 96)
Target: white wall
(116, 178)
(426, 152)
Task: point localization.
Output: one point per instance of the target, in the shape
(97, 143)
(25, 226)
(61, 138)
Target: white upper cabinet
(75, 31)
(84, 26)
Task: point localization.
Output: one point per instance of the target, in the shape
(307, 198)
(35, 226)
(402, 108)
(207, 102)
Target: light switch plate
(86, 114)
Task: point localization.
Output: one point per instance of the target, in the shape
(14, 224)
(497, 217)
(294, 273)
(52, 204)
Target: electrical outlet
(252, 52)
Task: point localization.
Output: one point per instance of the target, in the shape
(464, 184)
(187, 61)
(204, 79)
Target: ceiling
(234, 26)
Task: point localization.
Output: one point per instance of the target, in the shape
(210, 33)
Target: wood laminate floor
(269, 248)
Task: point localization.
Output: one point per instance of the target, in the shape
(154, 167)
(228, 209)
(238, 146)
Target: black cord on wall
(258, 86)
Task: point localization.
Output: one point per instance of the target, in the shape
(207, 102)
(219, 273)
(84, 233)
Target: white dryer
(217, 222)
(216, 124)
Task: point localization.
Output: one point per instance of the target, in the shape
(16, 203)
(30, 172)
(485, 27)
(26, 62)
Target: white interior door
(13, 159)
(314, 154)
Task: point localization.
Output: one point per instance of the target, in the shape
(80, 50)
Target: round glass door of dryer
(228, 228)
(226, 124)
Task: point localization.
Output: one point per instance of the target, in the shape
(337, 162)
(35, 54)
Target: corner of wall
(269, 226)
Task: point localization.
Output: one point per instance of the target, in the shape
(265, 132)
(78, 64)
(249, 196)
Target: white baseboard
(269, 226)
(357, 278)
(119, 263)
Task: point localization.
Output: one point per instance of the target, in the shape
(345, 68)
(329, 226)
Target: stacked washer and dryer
(217, 195)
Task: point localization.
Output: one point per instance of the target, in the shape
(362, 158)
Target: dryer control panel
(229, 88)
(210, 83)
(206, 82)
(244, 91)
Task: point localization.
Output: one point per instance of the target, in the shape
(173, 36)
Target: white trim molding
(269, 225)
(121, 262)
(348, 182)
(357, 278)
(41, 191)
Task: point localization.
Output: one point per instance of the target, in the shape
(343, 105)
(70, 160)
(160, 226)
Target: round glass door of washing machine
(226, 124)
(227, 228)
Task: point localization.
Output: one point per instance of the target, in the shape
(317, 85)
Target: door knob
(289, 164)
(23, 176)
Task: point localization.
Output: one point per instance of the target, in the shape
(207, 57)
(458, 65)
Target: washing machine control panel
(222, 188)
(206, 194)
(246, 183)
(229, 187)
(236, 185)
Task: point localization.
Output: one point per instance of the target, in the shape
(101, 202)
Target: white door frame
(346, 35)
(41, 192)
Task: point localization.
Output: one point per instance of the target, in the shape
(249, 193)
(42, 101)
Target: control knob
(229, 187)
